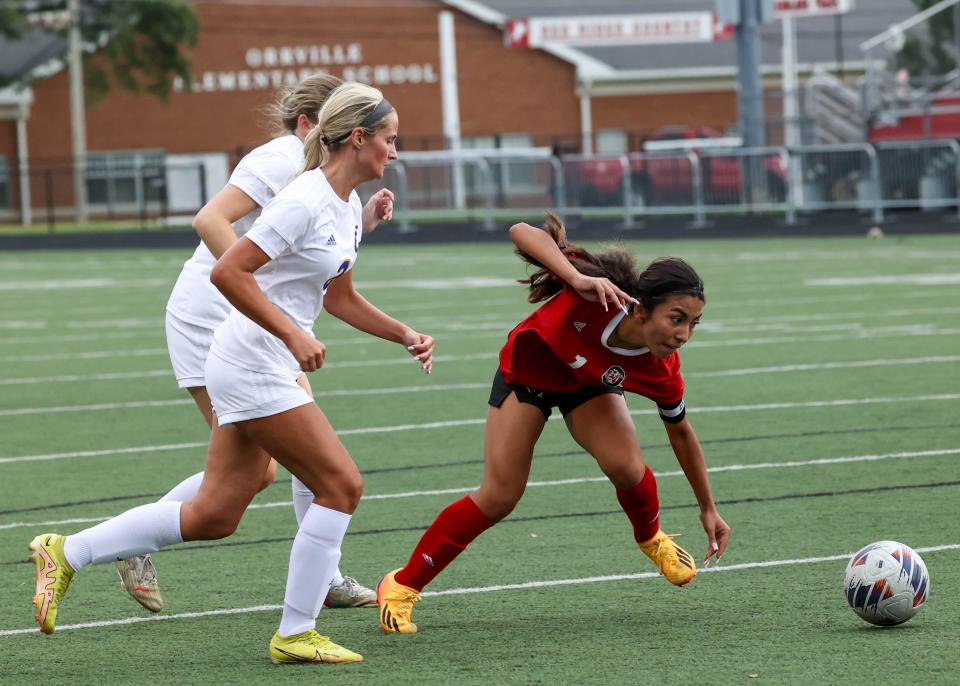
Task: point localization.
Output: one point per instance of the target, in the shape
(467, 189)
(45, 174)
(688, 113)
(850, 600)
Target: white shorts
(238, 394)
(188, 345)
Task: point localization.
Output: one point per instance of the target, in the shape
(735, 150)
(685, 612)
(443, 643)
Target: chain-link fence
(486, 185)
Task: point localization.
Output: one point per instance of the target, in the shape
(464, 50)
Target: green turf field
(824, 383)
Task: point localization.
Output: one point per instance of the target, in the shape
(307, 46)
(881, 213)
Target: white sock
(143, 529)
(313, 559)
(337, 578)
(302, 500)
(186, 490)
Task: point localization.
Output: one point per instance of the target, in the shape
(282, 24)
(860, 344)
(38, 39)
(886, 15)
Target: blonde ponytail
(307, 97)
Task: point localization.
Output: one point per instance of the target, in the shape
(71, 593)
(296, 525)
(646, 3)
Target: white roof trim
(12, 95)
(588, 68)
(718, 72)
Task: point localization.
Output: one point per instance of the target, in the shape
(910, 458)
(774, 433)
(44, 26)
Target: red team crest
(614, 376)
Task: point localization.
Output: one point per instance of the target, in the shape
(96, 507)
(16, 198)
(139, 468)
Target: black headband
(382, 109)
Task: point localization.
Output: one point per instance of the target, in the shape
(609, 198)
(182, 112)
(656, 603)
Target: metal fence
(485, 186)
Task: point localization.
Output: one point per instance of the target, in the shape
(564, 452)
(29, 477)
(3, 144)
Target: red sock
(449, 535)
(642, 506)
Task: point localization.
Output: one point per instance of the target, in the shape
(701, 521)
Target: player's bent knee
(498, 504)
(221, 527)
(339, 490)
(206, 524)
(626, 473)
(352, 488)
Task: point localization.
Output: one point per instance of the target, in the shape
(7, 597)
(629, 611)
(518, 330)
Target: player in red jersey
(603, 329)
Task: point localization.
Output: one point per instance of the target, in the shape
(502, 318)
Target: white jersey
(261, 174)
(312, 237)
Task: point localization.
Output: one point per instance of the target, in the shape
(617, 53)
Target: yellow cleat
(396, 605)
(674, 562)
(309, 647)
(138, 577)
(54, 575)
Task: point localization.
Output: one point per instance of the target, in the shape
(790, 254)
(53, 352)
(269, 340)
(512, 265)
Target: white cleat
(138, 577)
(349, 593)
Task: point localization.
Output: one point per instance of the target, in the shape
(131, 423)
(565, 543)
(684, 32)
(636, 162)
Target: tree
(139, 45)
(935, 53)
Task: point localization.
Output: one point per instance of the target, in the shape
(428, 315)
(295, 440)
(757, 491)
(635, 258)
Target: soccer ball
(886, 583)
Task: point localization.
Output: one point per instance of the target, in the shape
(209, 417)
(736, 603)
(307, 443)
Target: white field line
(444, 284)
(522, 586)
(158, 322)
(480, 420)
(71, 338)
(89, 355)
(819, 462)
(447, 284)
(943, 279)
(21, 324)
(853, 364)
(908, 331)
(108, 451)
(66, 378)
(832, 316)
(73, 284)
(412, 307)
(476, 321)
(886, 332)
(399, 359)
(321, 395)
(112, 335)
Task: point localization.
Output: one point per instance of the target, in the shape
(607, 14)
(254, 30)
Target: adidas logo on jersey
(332, 240)
(579, 326)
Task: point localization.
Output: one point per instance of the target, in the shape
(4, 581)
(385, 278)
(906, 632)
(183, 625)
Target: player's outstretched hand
(421, 346)
(718, 534)
(601, 290)
(378, 208)
(307, 351)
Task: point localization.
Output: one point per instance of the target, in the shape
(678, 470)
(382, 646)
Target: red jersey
(562, 347)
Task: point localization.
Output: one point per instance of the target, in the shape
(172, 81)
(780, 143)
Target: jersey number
(340, 272)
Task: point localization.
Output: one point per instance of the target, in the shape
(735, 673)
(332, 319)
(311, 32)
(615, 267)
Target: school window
(4, 183)
(125, 179)
(611, 142)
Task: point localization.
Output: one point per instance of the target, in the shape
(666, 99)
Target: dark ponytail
(661, 278)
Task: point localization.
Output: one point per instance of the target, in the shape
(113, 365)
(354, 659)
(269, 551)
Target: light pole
(78, 124)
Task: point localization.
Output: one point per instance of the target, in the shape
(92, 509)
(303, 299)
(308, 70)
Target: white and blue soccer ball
(886, 583)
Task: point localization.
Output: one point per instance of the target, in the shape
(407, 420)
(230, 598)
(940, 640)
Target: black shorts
(546, 400)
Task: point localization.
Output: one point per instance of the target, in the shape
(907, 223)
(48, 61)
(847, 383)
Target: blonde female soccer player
(196, 308)
(297, 259)
(604, 327)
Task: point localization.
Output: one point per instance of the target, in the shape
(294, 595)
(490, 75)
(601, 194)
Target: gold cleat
(674, 562)
(396, 605)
